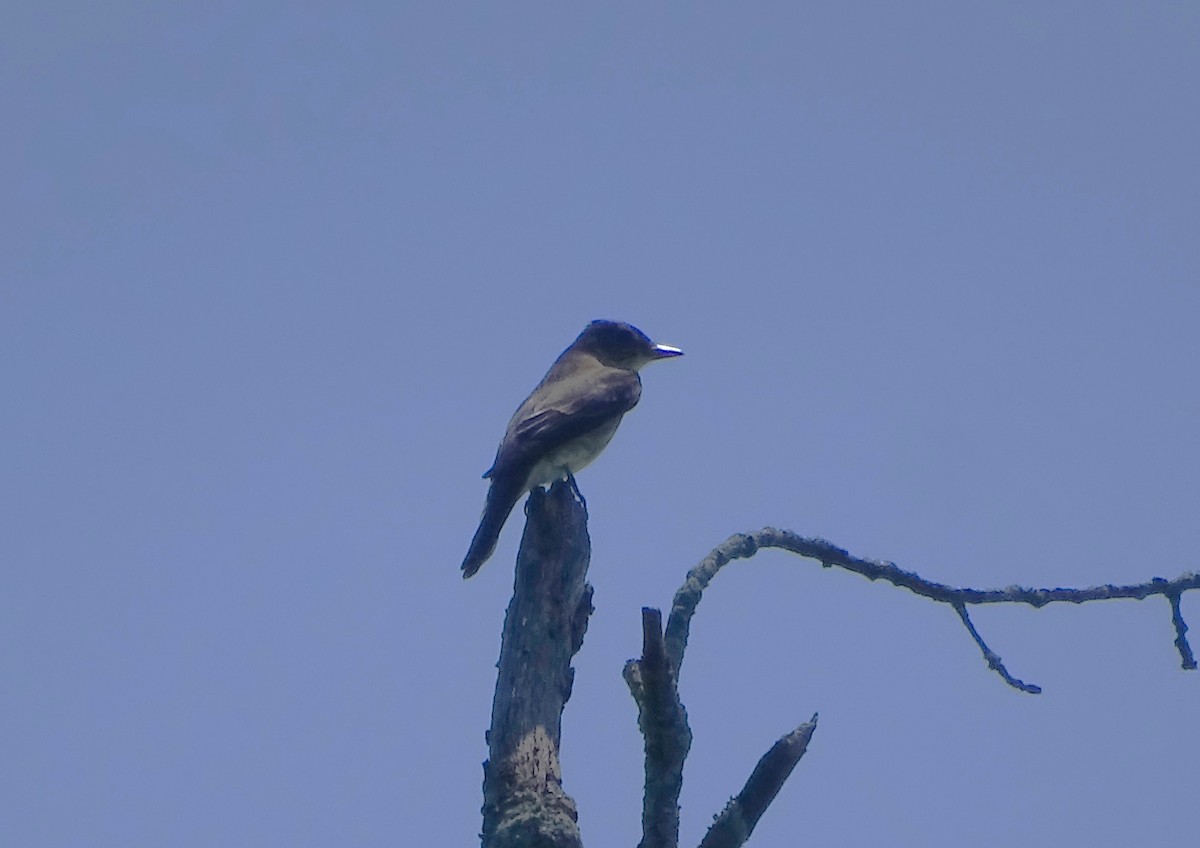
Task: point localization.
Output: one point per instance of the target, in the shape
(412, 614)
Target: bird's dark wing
(564, 410)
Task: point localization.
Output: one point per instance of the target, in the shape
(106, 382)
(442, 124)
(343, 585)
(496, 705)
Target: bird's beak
(662, 351)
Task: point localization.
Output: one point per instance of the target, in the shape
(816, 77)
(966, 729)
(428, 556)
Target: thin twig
(993, 659)
(1187, 659)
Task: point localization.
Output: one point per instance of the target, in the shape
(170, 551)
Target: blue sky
(275, 277)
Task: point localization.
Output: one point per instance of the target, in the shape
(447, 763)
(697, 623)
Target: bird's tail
(501, 498)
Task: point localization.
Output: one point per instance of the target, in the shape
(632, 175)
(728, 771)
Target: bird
(566, 421)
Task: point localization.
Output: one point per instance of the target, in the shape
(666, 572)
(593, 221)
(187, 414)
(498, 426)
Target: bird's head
(621, 345)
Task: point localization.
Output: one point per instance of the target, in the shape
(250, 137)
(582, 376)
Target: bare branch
(523, 800)
(663, 722)
(736, 822)
(1187, 660)
(993, 659)
(744, 545)
(737, 546)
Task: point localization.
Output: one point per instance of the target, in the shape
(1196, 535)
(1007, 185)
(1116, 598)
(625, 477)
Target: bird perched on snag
(565, 422)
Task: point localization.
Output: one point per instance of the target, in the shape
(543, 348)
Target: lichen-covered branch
(665, 731)
(524, 805)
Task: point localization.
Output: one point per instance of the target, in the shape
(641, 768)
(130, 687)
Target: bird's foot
(575, 489)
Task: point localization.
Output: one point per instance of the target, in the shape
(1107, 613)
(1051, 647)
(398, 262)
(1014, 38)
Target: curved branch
(653, 680)
(744, 545)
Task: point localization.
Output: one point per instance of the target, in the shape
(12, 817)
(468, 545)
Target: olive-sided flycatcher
(565, 422)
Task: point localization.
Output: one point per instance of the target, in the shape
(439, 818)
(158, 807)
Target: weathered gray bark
(654, 683)
(737, 821)
(668, 738)
(524, 805)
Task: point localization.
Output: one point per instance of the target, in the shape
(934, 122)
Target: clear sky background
(274, 277)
